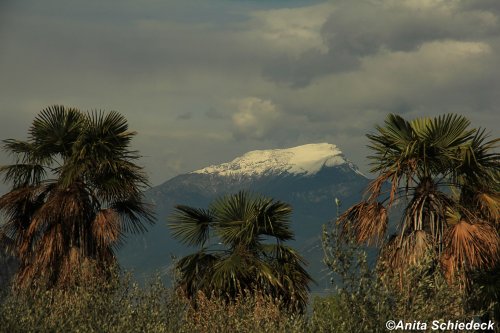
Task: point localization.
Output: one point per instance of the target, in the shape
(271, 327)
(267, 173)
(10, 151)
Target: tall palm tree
(446, 177)
(233, 255)
(75, 192)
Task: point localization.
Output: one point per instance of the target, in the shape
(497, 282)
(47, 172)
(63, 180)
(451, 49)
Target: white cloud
(255, 118)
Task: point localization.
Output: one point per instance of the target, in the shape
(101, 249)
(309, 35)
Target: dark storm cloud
(483, 5)
(126, 42)
(359, 29)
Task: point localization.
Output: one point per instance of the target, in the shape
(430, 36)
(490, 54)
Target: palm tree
(75, 192)
(446, 177)
(233, 255)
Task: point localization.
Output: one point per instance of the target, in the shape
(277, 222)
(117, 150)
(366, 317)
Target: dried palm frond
(427, 211)
(106, 227)
(374, 189)
(489, 203)
(400, 255)
(470, 246)
(365, 222)
(76, 267)
(408, 250)
(57, 225)
(51, 246)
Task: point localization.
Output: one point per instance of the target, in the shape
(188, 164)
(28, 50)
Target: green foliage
(361, 302)
(445, 177)
(75, 191)
(123, 306)
(363, 299)
(119, 306)
(247, 312)
(233, 256)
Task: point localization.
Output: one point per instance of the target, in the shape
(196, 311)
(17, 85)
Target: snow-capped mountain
(308, 177)
(302, 160)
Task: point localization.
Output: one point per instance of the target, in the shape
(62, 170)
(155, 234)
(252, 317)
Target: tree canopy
(444, 176)
(75, 192)
(240, 240)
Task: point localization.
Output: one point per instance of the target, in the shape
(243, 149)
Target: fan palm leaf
(402, 252)
(489, 205)
(191, 225)
(240, 260)
(242, 217)
(196, 271)
(470, 246)
(440, 171)
(55, 130)
(365, 222)
(75, 220)
(273, 219)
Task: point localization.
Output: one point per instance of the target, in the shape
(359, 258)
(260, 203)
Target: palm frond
(470, 246)
(478, 161)
(288, 265)
(231, 274)
(191, 225)
(242, 218)
(26, 152)
(246, 263)
(365, 222)
(55, 130)
(117, 180)
(281, 253)
(233, 233)
(23, 174)
(71, 205)
(235, 207)
(401, 252)
(135, 214)
(427, 210)
(391, 145)
(196, 272)
(106, 228)
(489, 205)
(453, 216)
(109, 133)
(273, 219)
(445, 131)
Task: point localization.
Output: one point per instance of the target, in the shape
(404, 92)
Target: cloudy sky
(203, 81)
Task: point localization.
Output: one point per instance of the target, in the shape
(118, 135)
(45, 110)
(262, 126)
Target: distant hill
(308, 177)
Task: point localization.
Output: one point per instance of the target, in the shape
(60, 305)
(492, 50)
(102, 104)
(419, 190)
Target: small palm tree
(233, 255)
(446, 177)
(75, 192)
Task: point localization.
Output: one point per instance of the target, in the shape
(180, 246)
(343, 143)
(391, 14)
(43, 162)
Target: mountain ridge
(302, 160)
(310, 188)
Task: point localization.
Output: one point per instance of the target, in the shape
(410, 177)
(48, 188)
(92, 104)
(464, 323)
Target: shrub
(248, 312)
(121, 306)
(124, 306)
(363, 298)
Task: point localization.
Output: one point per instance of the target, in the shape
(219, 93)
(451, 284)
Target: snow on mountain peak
(305, 160)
